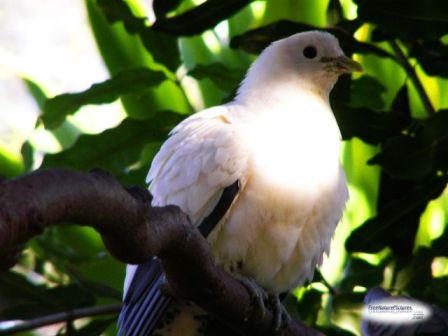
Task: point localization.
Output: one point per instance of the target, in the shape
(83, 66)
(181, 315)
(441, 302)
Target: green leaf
(401, 240)
(162, 47)
(224, 78)
(359, 272)
(21, 299)
(367, 91)
(420, 154)
(115, 149)
(370, 126)
(346, 310)
(27, 151)
(254, 41)
(413, 273)
(205, 16)
(382, 230)
(36, 92)
(439, 245)
(406, 19)
(10, 165)
(127, 82)
(309, 305)
(122, 51)
(335, 14)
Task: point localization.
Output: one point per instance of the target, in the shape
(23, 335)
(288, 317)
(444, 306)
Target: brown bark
(133, 231)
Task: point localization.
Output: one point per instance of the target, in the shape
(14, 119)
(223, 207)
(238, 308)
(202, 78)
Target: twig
(401, 57)
(70, 315)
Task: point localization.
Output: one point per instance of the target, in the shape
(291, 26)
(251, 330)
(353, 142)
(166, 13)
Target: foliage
(396, 150)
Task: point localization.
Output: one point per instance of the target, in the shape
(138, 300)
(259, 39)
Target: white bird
(279, 139)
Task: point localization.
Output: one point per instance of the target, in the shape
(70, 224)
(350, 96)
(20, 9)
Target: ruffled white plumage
(200, 159)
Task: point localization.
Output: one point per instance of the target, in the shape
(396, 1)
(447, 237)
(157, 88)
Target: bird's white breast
(294, 195)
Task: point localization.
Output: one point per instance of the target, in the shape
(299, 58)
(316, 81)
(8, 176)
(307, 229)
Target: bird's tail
(144, 303)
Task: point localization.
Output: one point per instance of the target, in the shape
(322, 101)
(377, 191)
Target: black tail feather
(144, 303)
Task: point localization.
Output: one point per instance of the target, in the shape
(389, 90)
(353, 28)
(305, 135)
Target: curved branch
(133, 231)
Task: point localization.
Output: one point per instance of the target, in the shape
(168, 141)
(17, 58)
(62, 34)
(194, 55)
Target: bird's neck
(287, 96)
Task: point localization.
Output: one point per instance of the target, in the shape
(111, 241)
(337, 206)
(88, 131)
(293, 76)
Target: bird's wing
(199, 160)
(201, 157)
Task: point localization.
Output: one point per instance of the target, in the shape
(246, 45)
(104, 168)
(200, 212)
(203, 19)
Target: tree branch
(62, 317)
(133, 231)
(401, 57)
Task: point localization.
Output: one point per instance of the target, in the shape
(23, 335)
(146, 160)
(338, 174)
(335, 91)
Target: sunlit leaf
(128, 82)
(122, 51)
(117, 148)
(375, 233)
(346, 310)
(162, 47)
(309, 305)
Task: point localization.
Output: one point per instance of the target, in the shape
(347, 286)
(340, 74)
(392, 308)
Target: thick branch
(133, 232)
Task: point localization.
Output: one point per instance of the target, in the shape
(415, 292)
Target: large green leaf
(127, 82)
(122, 51)
(115, 149)
(254, 41)
(366, 124)
(163, 47)
(367, 91)
(402, 236)
(383, 230)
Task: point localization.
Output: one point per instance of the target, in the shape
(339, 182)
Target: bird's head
(312, 60)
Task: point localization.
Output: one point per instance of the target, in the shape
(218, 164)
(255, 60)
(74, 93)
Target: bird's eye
(310, 52)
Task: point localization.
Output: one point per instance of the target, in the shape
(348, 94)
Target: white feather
(279, 138)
